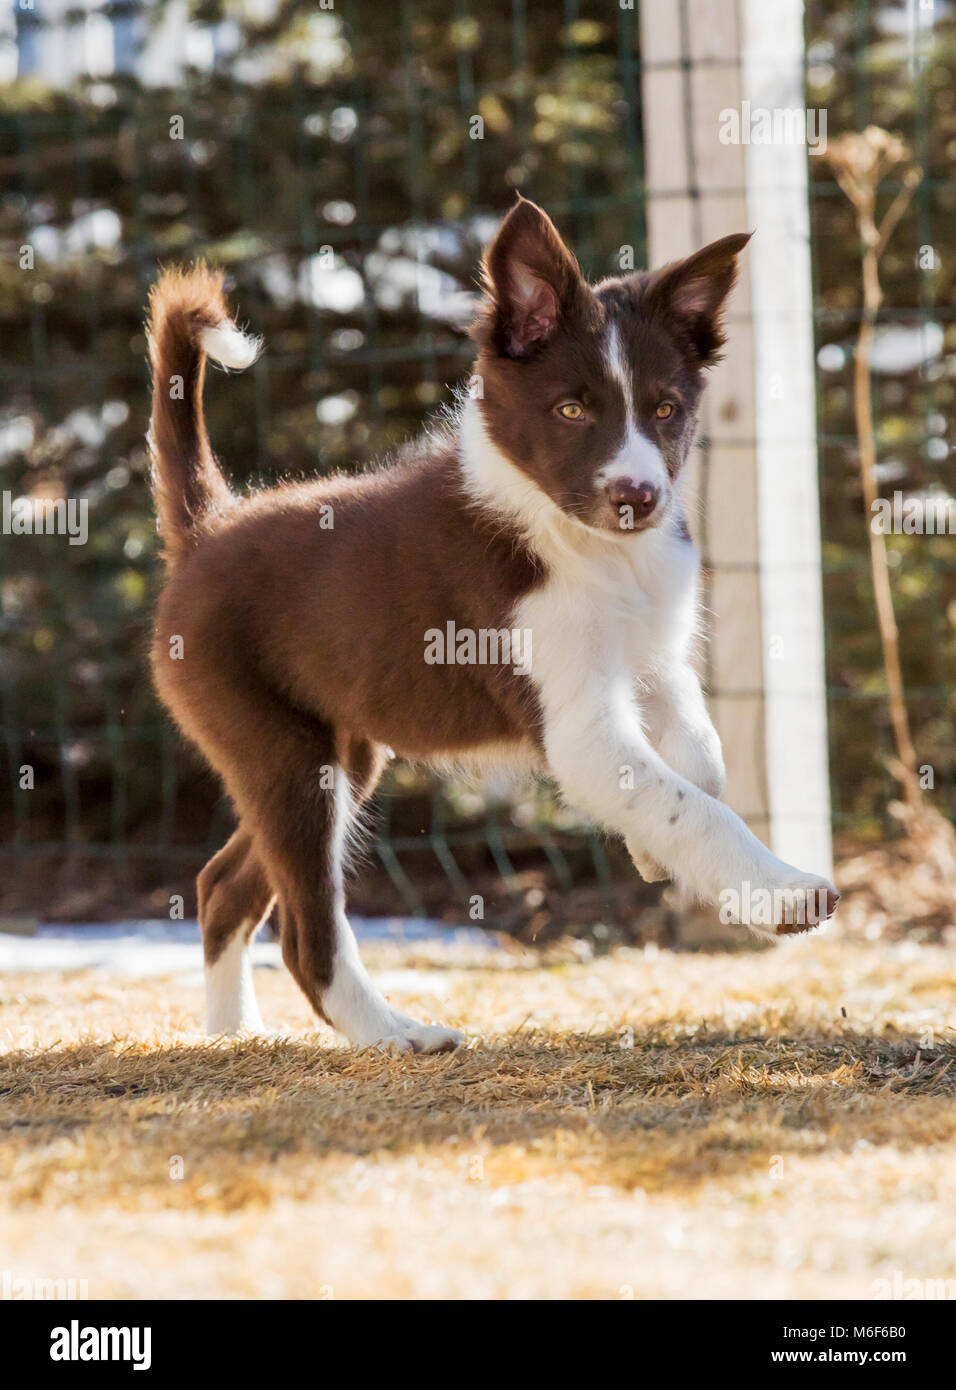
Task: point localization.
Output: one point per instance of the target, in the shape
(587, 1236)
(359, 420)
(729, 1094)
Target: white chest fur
(616, 610)
(626, 602)
(629, 602)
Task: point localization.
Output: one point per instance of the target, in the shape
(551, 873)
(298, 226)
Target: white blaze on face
(638, 458)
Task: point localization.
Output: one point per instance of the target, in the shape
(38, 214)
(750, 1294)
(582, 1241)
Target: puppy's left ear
(692, 293)
(532, 282)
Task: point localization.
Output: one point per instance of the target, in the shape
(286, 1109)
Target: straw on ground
(780, 1123)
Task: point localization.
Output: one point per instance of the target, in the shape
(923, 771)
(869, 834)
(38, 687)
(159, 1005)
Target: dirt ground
(776, 1123)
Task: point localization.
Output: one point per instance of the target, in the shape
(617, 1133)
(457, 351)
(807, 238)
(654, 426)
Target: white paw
(409, 1036)
(805, 905)
(783, 907)
(236, 1028)
(249, 1033)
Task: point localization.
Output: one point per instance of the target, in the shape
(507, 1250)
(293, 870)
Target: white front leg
(679, 726)
(600, 754)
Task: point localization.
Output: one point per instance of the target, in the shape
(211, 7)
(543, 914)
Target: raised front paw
(805, 906)
(786, 907)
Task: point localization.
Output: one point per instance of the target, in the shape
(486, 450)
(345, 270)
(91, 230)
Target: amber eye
(571, 411)
(664, 411)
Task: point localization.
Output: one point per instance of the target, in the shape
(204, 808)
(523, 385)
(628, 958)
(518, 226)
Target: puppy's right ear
(692, 293)
(531, 280)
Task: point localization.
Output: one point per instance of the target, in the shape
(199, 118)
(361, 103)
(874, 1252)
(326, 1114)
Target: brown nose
(640, 497)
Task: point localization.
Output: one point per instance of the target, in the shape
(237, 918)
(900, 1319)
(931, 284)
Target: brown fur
(188, 487)
(291, 661)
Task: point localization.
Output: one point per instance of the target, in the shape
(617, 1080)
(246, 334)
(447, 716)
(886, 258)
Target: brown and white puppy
(521, 588)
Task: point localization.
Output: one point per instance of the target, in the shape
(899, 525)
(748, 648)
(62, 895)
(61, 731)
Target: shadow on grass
(661, 1115)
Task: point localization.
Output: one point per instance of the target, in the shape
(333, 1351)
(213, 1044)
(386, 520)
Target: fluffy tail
(188, 321)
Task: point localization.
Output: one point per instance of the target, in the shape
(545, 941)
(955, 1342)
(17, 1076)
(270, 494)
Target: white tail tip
(229, 346)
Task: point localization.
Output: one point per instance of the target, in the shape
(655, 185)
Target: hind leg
(297, 790)
(234, 900)
(349, 999)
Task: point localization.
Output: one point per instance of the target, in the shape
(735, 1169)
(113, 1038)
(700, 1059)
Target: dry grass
(753, 1141)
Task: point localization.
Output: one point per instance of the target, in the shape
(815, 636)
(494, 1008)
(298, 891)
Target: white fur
(351, 1002)
(638, 457)
(231, 1005)
(626, 732)
(619, 367)
(505, 765)
(229, 346)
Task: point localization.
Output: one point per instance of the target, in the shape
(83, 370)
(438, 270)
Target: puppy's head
(592, 391)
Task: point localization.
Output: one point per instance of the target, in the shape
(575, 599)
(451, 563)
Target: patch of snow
(156, 947)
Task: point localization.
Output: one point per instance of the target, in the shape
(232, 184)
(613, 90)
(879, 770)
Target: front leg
(678, 725)
(599, 752)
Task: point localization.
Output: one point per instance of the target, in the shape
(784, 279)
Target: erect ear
(692, 293)
(531, 279)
